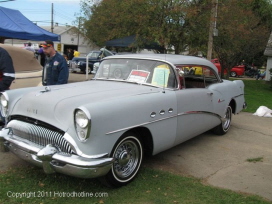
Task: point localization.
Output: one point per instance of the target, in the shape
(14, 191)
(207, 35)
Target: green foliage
(254, 160)
(239, 24)
(150, 186)
(183, 24)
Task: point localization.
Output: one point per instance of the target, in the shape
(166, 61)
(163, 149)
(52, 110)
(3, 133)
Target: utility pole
(78, 32)
(212, 30)
(52, 20)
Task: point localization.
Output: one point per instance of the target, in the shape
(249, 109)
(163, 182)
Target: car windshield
(148, 72)
(93, 54)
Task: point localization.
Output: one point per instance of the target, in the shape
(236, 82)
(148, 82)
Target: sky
(39, 11)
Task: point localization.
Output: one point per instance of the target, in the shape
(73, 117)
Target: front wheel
(89, 70)
(233, 74)
(225, 123)
(128, 155)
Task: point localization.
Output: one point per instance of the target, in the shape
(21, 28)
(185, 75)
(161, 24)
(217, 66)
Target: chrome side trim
(200, 112)
(179, 114)
(142, 124)
(238, 96)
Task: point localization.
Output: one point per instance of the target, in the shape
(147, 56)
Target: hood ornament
(46, 89)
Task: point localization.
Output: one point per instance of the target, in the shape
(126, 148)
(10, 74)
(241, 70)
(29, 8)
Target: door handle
(210, 93)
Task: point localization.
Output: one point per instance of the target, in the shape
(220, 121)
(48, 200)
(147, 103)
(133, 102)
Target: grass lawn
(257, 93)
(31, 185)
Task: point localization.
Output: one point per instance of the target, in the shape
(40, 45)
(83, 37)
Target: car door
(195, 104)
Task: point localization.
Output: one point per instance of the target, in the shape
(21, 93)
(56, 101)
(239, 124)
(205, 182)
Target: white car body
(135, 105)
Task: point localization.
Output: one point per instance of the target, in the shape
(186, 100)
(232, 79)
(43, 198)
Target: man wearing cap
(7, 73)
(55, 70)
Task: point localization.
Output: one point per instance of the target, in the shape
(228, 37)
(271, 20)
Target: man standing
(7, 73)
(55, 70)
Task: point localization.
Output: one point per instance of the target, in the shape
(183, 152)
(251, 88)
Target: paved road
(219, 160)
(222, 160)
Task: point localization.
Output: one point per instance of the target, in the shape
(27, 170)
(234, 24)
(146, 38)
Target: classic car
(78, 64)
(103, 127)
(238, 70)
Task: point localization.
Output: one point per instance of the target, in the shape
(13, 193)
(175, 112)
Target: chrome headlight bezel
(4, 103)
(82, 121)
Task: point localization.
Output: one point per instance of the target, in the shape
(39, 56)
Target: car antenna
(163, 91)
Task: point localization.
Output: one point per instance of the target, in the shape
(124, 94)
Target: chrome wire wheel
(128, 158)
(226, 121)
(223, 128)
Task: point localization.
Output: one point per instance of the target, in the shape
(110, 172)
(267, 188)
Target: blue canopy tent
(14, 25)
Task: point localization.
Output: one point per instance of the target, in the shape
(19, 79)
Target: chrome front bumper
(52, 160)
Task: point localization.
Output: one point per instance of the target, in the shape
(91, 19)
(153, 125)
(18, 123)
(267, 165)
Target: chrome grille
(39, 135)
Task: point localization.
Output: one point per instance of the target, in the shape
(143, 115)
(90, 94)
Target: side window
(163, 76)
(197, 76)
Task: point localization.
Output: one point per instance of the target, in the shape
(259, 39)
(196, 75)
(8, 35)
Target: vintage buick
(135, 105)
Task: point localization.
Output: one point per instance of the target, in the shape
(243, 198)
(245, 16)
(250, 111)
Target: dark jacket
(55, 71)
(7, 73)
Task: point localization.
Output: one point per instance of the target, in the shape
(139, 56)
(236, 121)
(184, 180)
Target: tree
(244, 25)
(154, 20)
(244, 28)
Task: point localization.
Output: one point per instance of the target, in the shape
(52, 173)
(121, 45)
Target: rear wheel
(128, 155)
(225, 123)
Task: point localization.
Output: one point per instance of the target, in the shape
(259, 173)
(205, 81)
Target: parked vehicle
(78, 64)
(252, 72)
(238, 70)
(135, 105)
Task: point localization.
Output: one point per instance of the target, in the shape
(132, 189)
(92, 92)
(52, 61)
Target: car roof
(172, 58)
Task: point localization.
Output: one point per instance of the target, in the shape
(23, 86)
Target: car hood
(56, 104)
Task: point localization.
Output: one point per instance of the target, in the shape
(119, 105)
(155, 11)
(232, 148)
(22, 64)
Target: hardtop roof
(172, 58)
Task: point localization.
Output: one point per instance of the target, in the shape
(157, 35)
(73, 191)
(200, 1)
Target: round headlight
(81, 119)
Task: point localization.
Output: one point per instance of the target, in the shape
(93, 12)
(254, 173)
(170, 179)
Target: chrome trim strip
(199, 112)
(179, 114)
(142, 124)
(238, 96)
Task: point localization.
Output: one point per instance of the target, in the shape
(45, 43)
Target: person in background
(260, 75)
(76, 53)
(55, 70)
(7, 74)
(29, 47)
(42, 55)
(70, 54)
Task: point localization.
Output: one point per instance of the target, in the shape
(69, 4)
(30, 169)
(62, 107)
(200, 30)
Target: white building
(268, 53)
